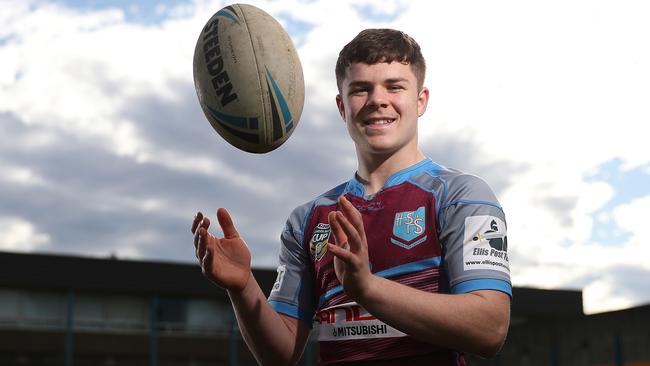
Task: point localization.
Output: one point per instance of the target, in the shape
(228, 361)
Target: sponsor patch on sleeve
(485, 244)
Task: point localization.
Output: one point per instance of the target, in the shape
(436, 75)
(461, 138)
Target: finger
(354, 237)
(195, 223)
(200, 223)
(197, 237)
(344, 255)
(206, 263)
(201, 242)
(225, 221)
(352, 214)
(204, 223)
(339, 235)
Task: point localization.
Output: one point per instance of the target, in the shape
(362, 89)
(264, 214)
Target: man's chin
(384, 148)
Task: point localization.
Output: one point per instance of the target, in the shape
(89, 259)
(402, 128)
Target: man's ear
(423, 100)
(340, 106)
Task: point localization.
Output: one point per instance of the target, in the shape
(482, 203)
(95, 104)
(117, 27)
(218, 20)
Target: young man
(404, 264)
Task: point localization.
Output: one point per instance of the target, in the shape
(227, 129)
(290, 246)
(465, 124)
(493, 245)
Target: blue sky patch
(7, 38)
(378, 15)
(142, 12)
(297, 29)
(628, 186)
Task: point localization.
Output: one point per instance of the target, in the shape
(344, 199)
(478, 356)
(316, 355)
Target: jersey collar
(356, 188)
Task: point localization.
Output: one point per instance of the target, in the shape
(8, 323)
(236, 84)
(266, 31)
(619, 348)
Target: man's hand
(351, 262)
(225, 261)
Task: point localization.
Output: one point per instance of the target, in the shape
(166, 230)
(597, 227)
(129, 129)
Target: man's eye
(358, 90)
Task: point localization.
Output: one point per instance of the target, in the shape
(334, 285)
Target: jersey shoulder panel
(473, 232)
(293, 292)
(467, 188)
(300, 215)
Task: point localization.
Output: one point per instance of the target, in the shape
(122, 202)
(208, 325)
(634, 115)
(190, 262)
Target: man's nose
(378, 98)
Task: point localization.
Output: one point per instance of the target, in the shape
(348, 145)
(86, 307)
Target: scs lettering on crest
(408, 228)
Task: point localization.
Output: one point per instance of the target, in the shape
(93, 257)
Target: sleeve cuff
(482, 284)
(292, 311)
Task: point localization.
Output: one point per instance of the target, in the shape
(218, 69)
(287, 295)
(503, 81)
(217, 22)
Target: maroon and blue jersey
(430, 227)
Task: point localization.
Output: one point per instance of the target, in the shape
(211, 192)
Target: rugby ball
(248, 78)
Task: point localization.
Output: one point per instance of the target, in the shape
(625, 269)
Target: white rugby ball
(248, 78)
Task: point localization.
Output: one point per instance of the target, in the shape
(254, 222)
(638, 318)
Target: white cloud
(20, 175)
(633, 216)
(556, 91)
(79, 71)
(559, 91)
(19, 235)
(597, 297)
(607, 271)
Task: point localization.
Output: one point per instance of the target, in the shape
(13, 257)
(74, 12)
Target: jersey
(430, 227)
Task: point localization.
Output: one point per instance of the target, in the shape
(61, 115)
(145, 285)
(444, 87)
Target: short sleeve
(473, 234)
(292, 292)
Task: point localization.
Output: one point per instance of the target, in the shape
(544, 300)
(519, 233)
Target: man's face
(380, 104)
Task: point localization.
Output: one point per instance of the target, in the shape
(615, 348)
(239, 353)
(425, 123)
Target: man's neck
(374, 170)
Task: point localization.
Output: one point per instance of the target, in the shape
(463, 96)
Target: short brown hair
(372, 46)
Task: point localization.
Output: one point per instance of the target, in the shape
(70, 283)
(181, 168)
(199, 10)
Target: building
(65, 310)
(549, 328)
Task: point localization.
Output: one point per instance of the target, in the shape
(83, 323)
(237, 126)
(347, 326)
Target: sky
(104, 150)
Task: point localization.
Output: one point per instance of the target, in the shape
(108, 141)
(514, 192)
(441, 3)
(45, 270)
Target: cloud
(617, 287)
(555, 95)
(19, 235)
(631, 216)
(120, 150)
(105, 149)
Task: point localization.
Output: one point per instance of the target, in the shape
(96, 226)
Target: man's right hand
(225, 261)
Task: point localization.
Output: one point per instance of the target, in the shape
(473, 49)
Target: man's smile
(378, 121)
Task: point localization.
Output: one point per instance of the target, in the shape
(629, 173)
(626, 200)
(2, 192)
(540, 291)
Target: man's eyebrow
(359, 83)
(386, 81)
(395, 80)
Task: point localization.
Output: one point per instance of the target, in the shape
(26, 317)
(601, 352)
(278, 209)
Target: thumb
(227, 226)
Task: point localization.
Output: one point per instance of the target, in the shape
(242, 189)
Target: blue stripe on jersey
(292, 311)
(443, 198)
(482, 284)
(387, 273)
(356, 188)
(441, 221)
(472, 202)
(410, 267)
(405, 174)
(436, 199)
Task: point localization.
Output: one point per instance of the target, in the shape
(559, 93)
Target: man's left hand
(350, 249)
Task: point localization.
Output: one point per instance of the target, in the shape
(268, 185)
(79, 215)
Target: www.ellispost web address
(493, 263)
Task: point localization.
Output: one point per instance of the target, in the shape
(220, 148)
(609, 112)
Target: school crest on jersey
(408, 228)
(319, 239)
